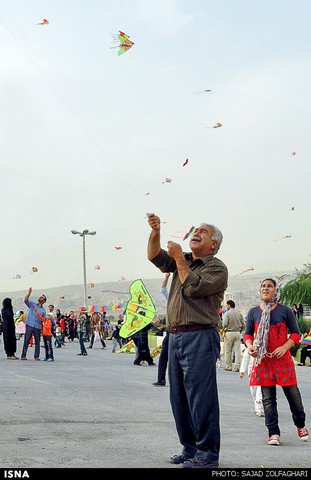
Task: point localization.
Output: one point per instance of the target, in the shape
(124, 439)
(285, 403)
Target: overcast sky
(88, 137)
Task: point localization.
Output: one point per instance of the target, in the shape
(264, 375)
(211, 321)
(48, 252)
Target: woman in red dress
(271, 330)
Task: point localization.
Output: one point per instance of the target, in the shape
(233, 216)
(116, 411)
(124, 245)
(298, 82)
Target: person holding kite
(33, 323)
(196, 293)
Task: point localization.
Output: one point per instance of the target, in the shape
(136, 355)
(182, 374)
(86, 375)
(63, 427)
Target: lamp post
(83, 234)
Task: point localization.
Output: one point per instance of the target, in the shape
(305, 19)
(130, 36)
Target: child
(246, 365)
(58, 335)
(47, 326)
(117, 340)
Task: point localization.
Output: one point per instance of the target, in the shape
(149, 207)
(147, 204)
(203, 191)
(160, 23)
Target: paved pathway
(101, 411)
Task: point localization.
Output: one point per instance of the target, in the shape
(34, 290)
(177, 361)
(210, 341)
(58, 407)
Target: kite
(190, 233)
(118, 248)
(17, 276)
(202, 91)
(292, 209)
(167, 180)
(97, 267)
(147, 193)
(129, 347)
(306, 340)
(34, 269)
(125, 42)
(286, 236)
(217, 125)
(293, 154)
(92, 285)
(156, 351)
(245, 270)
(185, 162)
(44, 22)
(62, 297)
(121, 279)
(139, 310)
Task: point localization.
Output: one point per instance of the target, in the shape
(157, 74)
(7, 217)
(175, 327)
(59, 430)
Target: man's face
(201, 242)
(42, 299)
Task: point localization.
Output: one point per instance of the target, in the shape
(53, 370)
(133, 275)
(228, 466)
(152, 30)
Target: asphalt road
(101, 411)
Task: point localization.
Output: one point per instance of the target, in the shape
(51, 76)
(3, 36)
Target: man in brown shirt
(196, 293)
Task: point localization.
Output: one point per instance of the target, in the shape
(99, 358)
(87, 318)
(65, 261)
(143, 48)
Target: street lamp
(83, 234)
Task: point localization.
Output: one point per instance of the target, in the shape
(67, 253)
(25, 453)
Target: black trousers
(269, 400)
(163, 359)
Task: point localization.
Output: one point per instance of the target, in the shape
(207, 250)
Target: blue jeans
(82, 346)
(293, 396)
(29, 332)
(47, 341)
(193, 391)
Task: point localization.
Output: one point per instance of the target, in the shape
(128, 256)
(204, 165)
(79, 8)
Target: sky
(87, 137)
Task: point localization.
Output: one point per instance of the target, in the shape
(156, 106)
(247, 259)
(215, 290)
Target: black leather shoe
(197, 463)
(177, 459)
(159, 384)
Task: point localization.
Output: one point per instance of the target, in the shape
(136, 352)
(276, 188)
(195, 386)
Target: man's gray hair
(217, 235)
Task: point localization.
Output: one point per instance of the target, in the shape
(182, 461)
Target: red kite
(44, 22)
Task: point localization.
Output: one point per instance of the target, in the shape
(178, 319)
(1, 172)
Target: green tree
(297, 290)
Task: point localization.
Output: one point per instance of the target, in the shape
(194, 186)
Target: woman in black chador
(9, 337)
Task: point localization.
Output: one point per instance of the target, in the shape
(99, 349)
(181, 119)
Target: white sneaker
(274, 440)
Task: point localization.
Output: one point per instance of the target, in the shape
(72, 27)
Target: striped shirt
(199, 298)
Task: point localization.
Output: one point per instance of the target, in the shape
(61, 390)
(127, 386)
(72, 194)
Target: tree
(297, 290)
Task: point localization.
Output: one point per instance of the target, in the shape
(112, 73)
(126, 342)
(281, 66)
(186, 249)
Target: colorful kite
(124, 42)
(44, 22)
(156, 351)
(245, 270)
(34, 269)
(306, 340)
(217, 125)
(190, 233)
(129, 347)
(139, 310)
(185, 162)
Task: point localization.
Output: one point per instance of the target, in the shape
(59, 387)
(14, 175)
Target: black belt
(188, 328)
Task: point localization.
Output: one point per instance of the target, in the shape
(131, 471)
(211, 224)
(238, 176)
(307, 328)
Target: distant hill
(70, 297)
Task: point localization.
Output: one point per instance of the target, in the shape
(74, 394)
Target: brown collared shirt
(199, 298)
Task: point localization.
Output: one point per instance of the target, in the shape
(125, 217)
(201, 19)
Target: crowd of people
(195, 325)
